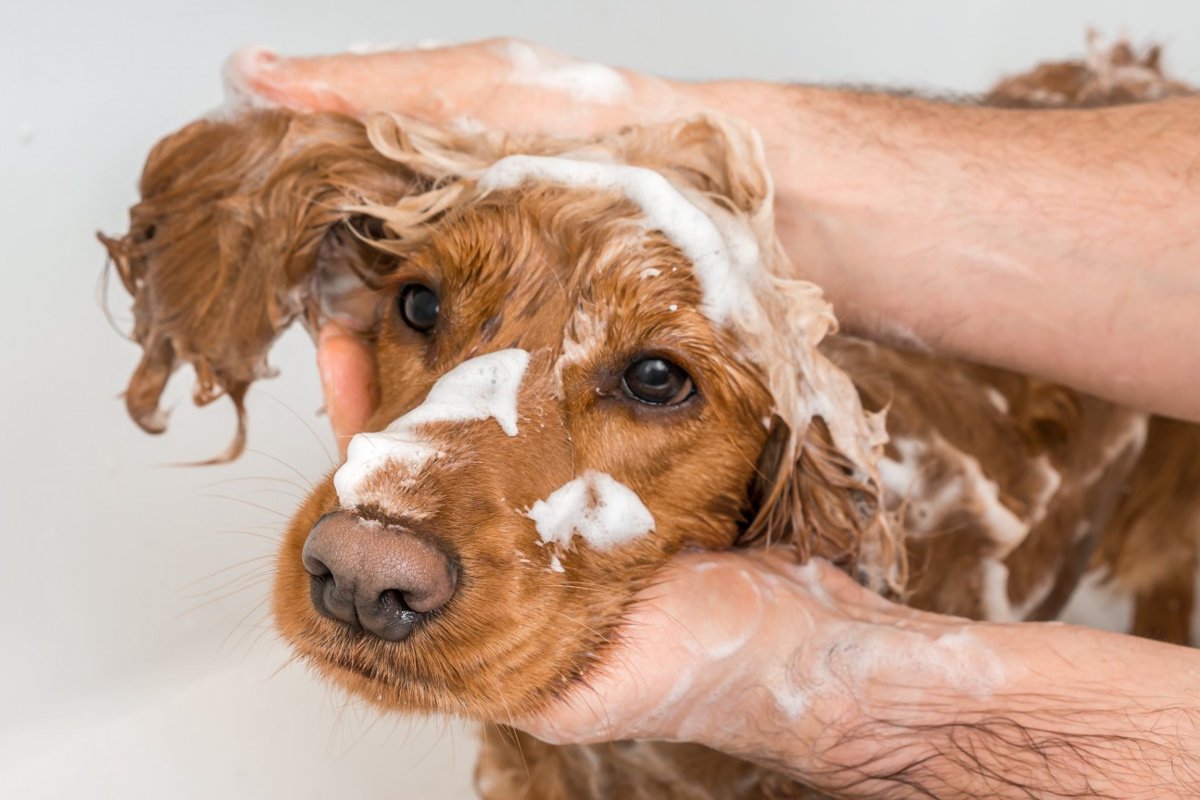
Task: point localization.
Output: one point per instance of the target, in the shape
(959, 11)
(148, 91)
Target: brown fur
(248, 224)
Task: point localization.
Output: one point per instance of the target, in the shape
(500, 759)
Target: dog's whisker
(223, 570)
(274, 538)
(243, 501)
(245, 629)
(320, 442)
(248, 478)
(303, 478)
(254, 573)
(252, 633)
(256, 584)
(285, 493)
(289, 661)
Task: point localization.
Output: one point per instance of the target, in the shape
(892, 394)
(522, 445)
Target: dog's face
(617, 426)
(587, 362)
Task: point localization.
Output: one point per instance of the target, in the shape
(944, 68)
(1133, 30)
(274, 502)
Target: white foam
(996, 398)
(481, 388)
(236, 75)
(369, 48)
(584, 335)
(857, 654)
(724, 257)
(602, 511)
(582, 80)
(966, 487)
(993, 596)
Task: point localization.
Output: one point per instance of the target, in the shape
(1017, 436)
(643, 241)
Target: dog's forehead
(721, 250)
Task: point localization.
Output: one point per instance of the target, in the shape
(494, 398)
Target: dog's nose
(375, 576)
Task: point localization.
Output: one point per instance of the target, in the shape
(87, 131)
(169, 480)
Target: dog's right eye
(658, 382)
(418, 306)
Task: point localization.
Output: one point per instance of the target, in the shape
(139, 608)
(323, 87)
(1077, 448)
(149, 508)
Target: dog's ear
(816, 484)
(812, 496)
(248, 224)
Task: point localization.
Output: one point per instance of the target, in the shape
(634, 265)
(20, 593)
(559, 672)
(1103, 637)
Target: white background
(129, 666)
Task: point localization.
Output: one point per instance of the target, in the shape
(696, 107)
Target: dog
(594, 354)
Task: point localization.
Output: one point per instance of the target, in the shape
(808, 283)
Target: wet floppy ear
(812, 496)
(816, 486)
(247, 225)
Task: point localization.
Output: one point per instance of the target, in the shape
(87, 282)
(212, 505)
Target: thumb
(347, 368)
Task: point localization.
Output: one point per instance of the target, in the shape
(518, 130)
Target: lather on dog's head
(588, 361)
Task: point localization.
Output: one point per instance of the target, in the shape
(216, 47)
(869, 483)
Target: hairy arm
(1060, 712)
(1058, 243)
(803, 671)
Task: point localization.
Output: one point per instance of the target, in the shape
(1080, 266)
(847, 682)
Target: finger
(257, 75)
(347, 369)
(347, 83)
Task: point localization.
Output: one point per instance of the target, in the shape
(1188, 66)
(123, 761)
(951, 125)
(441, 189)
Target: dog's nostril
(317, 569)
(391, 603)
(378, 577)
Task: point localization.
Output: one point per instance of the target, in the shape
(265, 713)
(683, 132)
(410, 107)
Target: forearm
(979, 711)
(1059, 243)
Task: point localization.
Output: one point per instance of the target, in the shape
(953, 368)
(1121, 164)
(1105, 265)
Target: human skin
(832, 684)
(1058, 243)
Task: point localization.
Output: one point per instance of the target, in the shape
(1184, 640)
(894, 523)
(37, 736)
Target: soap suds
(483, 387)
(965, 487)
(723, 261)
(237, 75)
(600, 510)
(584, 336)
(993, 591)
(368, 48)
(996, 398)
(857, 653)
(582, 80)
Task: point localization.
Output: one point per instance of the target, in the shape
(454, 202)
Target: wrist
(815, 691)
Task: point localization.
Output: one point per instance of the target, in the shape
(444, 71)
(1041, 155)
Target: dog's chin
(415, 684)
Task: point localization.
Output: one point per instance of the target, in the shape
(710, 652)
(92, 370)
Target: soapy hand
(502, 84)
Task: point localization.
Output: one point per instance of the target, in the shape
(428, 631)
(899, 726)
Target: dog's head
(589, 359)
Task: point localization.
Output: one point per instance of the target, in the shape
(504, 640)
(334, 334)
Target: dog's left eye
(658, 382)
(419, 307)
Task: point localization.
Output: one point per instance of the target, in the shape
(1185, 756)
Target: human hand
(502, 84)
(347, 369)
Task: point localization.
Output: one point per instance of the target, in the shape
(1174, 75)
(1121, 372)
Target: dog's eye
(419, 307)
(657, 381)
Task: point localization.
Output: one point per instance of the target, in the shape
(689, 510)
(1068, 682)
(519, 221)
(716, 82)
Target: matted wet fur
(992, 496)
